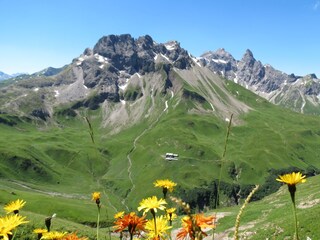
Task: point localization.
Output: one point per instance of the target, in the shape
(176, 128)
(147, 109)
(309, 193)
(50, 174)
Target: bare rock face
(249, 70)
(120, 50)
(276, 86)
(221, 62)
(130, 55)
(126, 53)
(117, 57)
(40, 113)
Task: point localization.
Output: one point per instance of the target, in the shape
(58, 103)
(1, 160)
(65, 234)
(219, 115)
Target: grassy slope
(271, 137)
(272, 217)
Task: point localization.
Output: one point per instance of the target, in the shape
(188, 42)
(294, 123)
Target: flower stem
(164, 191)
(295, 220)
(292, 190)
(98, 222)
(222, 161)
(155, 223)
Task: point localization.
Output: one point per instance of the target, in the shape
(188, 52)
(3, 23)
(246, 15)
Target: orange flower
(195, 225)
(205, 222)
(186, 229)
(131, 221)
(73, 236)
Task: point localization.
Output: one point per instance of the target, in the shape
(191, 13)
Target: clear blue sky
(35, 34)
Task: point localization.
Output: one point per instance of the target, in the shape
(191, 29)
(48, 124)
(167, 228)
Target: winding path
(51, 193)
(135, 146)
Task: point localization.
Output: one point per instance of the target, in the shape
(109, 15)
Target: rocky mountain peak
(266, 81)
(248, 58)
(311, 76)
(172, 45)
(219, 54)
(88, 52)
(145, 42)
(223, 53)
(111, 45)
(221, 62)
(138, 55)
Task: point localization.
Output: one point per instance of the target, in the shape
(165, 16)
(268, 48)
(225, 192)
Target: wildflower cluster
(9, 225)
(194, 226)
(155, 228)
(12, 220)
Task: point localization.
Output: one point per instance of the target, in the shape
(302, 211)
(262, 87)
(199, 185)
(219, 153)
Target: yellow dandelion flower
(96, 196)
(170, 210)
(166, 183)
(158, 229)
(291, 179)
(166, 186)
(14, 206)
(171, 215)
(53, 235)
(8, 223)
(152, 204)
(119, 215)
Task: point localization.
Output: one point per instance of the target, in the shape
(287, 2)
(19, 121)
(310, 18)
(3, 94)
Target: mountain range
(115, 59)
(4, 76)
(106, 121)
(298, 93)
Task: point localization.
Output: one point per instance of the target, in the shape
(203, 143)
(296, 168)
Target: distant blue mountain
(4, 76)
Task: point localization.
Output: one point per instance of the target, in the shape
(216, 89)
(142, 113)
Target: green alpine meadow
(103, 148)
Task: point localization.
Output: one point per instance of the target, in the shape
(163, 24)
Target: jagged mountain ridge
(118, 67)
(298, 93)
(122, 74)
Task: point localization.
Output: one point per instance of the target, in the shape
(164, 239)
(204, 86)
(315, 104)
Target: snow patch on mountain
(171, 46)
